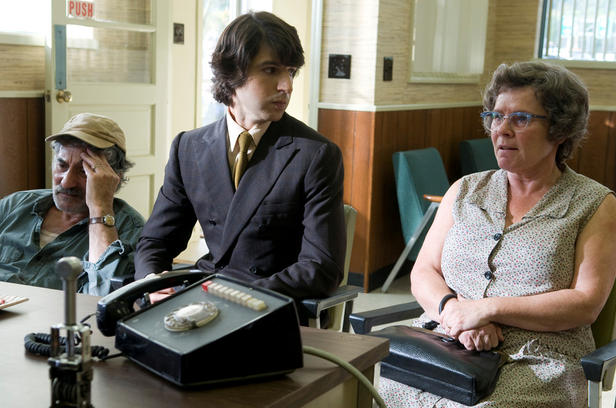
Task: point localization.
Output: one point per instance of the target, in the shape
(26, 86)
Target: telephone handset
(120, 303)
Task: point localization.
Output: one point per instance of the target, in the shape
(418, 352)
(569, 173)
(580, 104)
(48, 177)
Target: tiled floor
(399, 292)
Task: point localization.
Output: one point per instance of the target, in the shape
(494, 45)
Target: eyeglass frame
(529, 117)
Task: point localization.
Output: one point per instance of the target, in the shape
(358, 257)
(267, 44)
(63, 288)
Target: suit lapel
(272, 155)
(214, 167)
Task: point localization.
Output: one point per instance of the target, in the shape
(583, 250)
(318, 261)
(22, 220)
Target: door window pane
(108, 55)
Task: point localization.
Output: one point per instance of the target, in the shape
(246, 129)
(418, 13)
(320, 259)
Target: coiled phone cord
(40, 344)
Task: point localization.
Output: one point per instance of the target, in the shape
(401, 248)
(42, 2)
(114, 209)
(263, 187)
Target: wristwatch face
(107, 220)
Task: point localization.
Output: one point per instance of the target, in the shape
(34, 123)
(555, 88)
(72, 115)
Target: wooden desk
(121, 383)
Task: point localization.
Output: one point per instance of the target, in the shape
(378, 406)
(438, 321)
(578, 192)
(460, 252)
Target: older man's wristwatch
(108, 220)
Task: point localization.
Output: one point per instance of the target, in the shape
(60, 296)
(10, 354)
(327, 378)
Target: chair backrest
(603, 327)
(336, 313)
(417, 172)
(477, 155)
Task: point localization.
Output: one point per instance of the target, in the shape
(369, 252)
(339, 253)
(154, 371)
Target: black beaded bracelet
(444, 300)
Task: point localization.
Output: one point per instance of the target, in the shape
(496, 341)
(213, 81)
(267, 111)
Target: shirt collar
(492, 196)
(42, 205)
(234, 130)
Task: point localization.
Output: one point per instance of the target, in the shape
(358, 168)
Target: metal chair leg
(425, 221)
(348, 309)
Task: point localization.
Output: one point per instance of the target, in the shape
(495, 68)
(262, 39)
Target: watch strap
(107, 220)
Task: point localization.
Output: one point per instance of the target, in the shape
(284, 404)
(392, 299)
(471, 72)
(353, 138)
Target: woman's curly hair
(561, 93)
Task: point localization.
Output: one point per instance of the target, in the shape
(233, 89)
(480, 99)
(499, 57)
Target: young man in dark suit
(270, 201)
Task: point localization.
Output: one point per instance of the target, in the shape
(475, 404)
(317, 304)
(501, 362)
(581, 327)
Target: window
(579, 30)
(19, 25)
(215, 16)
(448, 40)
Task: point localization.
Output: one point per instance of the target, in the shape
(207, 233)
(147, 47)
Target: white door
(110, 56)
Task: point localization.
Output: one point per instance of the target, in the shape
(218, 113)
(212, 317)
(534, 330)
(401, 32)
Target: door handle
(64, 96)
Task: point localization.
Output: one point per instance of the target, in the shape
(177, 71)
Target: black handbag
(439, 364)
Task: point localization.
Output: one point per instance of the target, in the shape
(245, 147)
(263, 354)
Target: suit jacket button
(254, 269)
(211, 222)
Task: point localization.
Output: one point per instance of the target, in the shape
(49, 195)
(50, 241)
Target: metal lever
(64, 96)
(71, 374)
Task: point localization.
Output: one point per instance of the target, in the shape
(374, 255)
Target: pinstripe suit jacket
(282, 229)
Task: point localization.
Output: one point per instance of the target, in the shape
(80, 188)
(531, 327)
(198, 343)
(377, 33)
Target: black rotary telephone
(214, 329)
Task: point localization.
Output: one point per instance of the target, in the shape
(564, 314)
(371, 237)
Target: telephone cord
(354, 371)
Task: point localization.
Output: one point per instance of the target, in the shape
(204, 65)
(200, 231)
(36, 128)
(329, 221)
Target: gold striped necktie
(244, 141)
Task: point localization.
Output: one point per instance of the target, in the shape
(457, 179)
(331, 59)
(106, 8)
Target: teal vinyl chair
(477, 155)
(419, 174)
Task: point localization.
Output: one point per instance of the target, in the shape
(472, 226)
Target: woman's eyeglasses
(518, 120)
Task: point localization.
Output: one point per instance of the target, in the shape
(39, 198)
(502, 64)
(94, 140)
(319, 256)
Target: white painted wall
(298, 13)
(182, 75)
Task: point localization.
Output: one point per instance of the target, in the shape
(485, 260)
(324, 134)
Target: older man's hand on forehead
(102, 183)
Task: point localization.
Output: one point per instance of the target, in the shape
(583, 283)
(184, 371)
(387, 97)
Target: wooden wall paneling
(22, 141)
(573, 161)
(391, 135)
(592, 157)
(362, 187)
(353, 133)
(338, 126)
(449, 137)
(362, 191)
(610, 166)
(36, 143)
(13, 172)
(394, 131)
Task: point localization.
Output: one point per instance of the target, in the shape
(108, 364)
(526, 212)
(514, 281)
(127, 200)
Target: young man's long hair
(239, 44)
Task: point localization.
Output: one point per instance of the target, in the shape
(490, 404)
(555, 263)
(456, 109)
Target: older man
(78, 217)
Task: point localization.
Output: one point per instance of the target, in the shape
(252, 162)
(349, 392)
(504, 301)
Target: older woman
(524, 256)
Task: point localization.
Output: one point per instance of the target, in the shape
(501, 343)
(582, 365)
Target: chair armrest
(600, 364)
(342, 294)
(433, 198)
(363, 322)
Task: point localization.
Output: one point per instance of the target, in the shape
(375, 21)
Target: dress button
(488, 275)
(497, 236)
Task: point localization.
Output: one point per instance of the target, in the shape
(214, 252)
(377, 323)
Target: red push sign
(81, 9)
